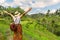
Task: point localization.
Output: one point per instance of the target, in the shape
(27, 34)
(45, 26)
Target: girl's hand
(5, 11)
(29, 9)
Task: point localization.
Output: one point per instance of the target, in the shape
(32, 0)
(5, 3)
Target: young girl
(15, 26)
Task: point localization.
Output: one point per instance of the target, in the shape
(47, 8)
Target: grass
(31, 31)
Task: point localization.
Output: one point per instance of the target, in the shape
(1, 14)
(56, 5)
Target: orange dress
(17, 31)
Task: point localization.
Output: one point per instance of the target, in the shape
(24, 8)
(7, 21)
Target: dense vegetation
(35, 26)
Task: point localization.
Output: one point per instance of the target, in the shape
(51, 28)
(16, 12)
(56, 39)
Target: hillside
(38, 33)
(31, 31)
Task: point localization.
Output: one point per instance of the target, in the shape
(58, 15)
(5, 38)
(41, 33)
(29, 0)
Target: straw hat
(16, 12)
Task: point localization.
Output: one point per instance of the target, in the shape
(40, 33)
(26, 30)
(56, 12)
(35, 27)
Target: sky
(37, 5)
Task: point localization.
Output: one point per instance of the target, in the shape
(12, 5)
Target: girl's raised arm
(25, 12)
(8, 13)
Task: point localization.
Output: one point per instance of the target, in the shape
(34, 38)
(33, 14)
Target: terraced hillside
(31, 31)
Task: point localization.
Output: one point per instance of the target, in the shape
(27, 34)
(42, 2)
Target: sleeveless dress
(18, 31)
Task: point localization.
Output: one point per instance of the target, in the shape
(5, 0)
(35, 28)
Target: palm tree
(48, 13)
